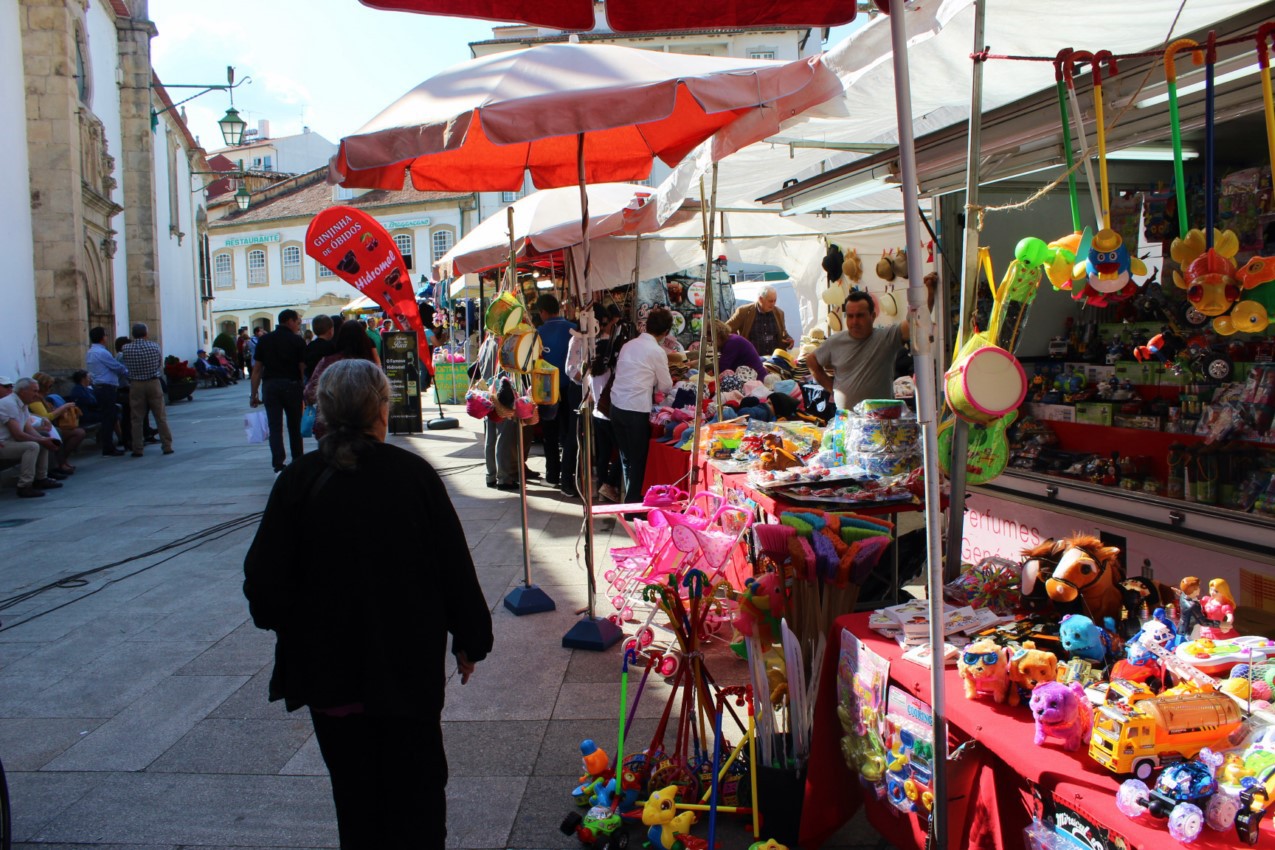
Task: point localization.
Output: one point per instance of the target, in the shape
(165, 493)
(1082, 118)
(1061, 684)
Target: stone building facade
(112, 219)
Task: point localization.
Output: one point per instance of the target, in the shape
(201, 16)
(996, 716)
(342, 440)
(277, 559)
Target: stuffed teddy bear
(1062, 711)
(984, 668)
(1029, 667)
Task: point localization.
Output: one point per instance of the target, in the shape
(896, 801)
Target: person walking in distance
(144, 362)
(106, 372)
(279, 363)
(362, 632)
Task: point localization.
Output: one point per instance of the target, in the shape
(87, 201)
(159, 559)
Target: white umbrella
(544, 221)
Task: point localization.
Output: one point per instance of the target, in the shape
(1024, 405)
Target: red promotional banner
(356, 248)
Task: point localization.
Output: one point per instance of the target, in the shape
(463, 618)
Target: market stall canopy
(940, 36)
(545, 221)
(362, 304)
(482, 125)
(637, 15)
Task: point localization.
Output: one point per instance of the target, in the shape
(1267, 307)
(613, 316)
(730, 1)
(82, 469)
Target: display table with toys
(998, 784)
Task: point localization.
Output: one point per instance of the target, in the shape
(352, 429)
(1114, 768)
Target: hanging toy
(1109, 268)
(1108, 271)
(1065, 249)
(1214, 285)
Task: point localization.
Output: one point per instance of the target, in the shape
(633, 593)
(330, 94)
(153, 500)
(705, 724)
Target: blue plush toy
(1082, 638)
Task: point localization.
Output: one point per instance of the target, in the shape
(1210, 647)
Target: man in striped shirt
(144, 362)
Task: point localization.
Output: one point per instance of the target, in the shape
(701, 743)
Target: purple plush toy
(1062, 711)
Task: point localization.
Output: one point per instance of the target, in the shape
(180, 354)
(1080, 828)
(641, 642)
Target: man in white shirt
(640, 372)
(20, 441)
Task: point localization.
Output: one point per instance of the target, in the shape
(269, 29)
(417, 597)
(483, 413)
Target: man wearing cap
(107, 373)
(20, 441)
(762, 323)
(861, 357)
(143, 360)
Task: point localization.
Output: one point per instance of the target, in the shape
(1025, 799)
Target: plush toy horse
(1080, 576)
(667, 828)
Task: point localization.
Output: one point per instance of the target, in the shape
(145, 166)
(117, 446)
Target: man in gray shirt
(861, 357)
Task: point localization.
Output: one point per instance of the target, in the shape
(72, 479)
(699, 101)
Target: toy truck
(1138, 737)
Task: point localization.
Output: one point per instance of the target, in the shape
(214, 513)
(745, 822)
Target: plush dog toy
(1083, 639)
(1062, 711)
(984, 667)
(1029, 667)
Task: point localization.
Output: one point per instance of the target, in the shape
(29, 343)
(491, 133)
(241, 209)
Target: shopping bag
(256, 426)
(307, 421)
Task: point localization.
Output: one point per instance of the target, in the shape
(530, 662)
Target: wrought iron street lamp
(232, 126)
(243, 198)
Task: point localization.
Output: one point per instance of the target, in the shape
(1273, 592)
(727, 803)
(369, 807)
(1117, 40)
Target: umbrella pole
(704, 324)
(592, 632)
(528, 599)
(926, 398)
(969, 280)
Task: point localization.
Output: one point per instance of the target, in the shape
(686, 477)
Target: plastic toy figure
(1219, 606)
(596, 767)
(668, 830)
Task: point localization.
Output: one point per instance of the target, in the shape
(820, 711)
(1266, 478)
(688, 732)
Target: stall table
(1009, 778)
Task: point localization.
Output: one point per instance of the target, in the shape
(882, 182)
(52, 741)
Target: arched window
(292, 264)
(257, 268)
(404, 243)
(442, 243)
(223, 271)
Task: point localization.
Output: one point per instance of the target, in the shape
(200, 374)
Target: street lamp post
(232, 126)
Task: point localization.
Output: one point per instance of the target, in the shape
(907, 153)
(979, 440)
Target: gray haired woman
(362, 629)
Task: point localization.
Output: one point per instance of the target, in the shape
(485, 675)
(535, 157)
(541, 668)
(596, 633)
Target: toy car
(1187, 793)
(600, 828)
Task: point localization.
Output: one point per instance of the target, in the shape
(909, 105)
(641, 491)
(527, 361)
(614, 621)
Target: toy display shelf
(1084, 438)
(1245, 535)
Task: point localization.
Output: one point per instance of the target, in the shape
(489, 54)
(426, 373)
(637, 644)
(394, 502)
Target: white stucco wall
(18, 349)
(302, 153)
(177, 255)
(103, 60)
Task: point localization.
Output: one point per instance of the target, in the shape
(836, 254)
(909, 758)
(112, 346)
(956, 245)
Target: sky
(327, 64)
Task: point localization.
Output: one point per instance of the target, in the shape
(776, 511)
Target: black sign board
(403, 368)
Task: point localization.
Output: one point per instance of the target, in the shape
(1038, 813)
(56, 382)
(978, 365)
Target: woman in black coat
(362, 615)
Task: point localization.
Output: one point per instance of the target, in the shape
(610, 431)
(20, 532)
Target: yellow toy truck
(1139, 736)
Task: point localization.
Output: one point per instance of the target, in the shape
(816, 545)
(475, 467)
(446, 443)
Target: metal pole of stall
(969, 291)
(528, 599)
(926, 402)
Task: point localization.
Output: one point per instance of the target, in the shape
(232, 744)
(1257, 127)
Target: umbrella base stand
(528, 599)
(592, 633)
(442, 423)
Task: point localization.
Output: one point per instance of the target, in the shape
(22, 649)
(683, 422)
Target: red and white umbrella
(556, 110)
(638, 15)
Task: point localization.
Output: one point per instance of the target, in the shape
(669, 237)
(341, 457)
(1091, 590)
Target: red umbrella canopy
(639, 15)
(480, 125)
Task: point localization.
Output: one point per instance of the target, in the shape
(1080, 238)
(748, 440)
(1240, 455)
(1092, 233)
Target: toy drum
(519, 351)
(986, 384)
(504, 314)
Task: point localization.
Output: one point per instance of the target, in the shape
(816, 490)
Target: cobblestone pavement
(133, 711)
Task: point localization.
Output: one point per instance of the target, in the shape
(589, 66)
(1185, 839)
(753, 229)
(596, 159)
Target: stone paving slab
(135, 716)
(138, 735)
